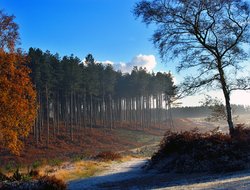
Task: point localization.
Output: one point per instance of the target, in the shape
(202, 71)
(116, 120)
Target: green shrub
(36, 164)
(10, 166)
(55, 162)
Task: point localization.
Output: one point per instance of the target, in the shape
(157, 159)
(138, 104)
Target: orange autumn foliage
(17, 96)
(17, 101)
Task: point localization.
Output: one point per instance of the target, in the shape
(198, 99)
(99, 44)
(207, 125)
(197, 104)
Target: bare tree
(205, 35)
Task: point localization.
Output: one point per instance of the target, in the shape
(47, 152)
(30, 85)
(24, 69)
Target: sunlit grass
(73, 170)
(69, 171)
(79, 170)
(138, 136)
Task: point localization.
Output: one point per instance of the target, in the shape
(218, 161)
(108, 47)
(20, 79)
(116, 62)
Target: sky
(105, 28)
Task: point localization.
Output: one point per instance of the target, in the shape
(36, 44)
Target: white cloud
(122, 64)
(176, 82)
(144, 61)
(106, 62)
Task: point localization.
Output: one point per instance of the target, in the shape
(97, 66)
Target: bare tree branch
(206, 35)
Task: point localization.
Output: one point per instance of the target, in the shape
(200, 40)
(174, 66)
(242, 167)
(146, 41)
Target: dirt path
(130, 175)
(116, 172)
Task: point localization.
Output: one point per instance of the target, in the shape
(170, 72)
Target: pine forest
(86, 94)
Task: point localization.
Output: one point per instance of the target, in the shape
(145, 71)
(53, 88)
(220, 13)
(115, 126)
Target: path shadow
(135, 177)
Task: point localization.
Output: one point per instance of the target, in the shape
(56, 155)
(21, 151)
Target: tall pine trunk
(91, 111)
(110, 112)
(47, 109)
(71, 116)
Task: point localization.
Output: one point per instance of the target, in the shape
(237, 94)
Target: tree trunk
(91, 111)
(226, 93)
(79, 109)
(54, 119)
(110, 112)
(84, 110)
(36, 128)
(47, 109)
(71, 116)
(58, 113)
(229, 112)
(40, 119)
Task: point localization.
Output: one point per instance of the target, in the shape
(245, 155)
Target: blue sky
(105, 28)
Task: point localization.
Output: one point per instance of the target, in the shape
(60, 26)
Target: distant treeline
(80, 94)
(205, 111)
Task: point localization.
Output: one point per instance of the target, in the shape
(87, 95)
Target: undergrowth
(79, 169)
(192, 151)
(108, 156)
(31, 180)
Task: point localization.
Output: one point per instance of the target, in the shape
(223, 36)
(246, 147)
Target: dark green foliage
(36, 164)
(192, 151)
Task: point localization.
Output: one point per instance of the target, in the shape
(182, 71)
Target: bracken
(193, 151)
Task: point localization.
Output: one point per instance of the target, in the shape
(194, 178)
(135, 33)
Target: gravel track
(130, 175)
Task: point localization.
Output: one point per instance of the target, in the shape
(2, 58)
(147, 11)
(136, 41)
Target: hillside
(125, 139)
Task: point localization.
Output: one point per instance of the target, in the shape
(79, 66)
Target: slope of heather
(85, 146)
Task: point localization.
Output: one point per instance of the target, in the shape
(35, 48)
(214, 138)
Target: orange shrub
(108, 155)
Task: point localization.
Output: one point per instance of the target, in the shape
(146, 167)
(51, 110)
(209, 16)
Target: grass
(80, 169)
(77, 169)
(74, 169)
(138, 136)
(55, 162)
(36, 164)
(10, 166)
